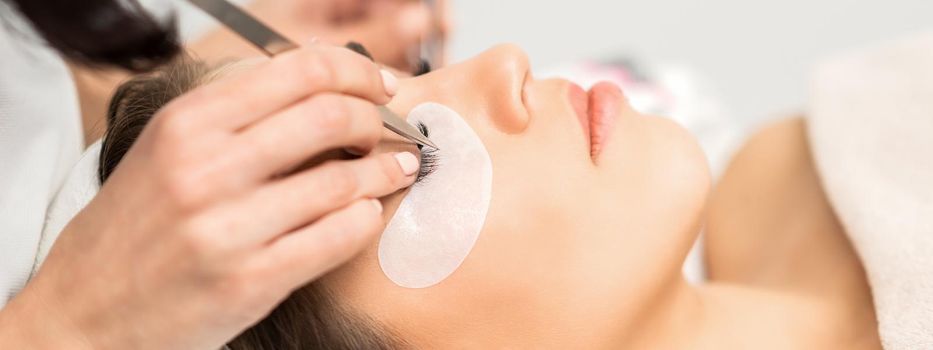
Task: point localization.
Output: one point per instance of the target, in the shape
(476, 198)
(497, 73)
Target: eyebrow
(360, 49)
(424, 67)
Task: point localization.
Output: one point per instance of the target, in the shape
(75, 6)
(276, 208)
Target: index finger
(243, 99)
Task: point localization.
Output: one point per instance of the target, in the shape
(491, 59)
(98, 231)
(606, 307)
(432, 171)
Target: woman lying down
(552, 217)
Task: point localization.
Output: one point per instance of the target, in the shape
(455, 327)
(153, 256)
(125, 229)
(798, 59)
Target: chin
(663, 156)
(664, 171)
(685, 157)
(685, 172)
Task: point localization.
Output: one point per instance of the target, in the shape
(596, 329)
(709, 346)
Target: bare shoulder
(768, 210)
(771, 226)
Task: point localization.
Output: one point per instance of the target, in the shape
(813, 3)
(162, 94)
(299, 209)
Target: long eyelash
(424, 131)
(428, 164)
(429, 157)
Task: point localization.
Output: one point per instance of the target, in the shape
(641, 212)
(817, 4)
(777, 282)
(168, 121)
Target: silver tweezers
(273, 43)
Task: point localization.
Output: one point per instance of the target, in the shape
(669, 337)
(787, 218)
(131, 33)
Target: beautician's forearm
(28, 322)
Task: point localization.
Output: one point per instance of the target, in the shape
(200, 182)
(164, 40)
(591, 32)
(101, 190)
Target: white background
(756, 53)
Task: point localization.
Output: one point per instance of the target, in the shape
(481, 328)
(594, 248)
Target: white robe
(40, 139)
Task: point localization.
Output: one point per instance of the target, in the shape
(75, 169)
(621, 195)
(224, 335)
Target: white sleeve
(80, 187)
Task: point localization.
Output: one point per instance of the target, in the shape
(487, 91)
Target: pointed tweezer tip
(427, 142)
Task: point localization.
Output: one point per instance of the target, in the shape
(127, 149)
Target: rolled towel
(871, 132)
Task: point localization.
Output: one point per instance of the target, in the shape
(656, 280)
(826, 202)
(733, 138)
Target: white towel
(871, 131)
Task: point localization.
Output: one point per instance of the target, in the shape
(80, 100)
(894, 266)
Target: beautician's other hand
(197, 235)
(392, 30)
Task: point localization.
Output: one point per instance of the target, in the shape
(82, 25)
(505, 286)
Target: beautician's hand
(197, 235)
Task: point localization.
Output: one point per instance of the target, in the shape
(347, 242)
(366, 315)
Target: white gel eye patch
(438, 222)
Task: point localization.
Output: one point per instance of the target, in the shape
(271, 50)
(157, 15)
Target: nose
(490, 84)
(500, 73)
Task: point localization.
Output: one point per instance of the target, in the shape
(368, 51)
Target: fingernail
(376, 203)
(389, 81)
(408, 162)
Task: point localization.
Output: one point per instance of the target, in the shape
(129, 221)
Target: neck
(719, 316)
(667, 321)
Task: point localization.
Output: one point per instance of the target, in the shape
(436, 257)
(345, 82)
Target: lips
(597, 111)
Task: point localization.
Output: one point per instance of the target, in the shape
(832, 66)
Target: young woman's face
(586, 222)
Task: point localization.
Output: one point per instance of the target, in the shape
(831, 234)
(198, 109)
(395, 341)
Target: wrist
(31, 322)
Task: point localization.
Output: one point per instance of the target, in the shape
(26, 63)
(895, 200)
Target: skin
(86, 296)
(589, 255)
(390, 29)
(203, 162)
(771, 227)
(594, 261)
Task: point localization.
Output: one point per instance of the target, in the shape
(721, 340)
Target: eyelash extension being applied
(423, 243)
(429, 157)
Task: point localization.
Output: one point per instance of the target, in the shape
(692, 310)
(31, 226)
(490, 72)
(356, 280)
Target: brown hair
(117, 33)
(310, 318)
